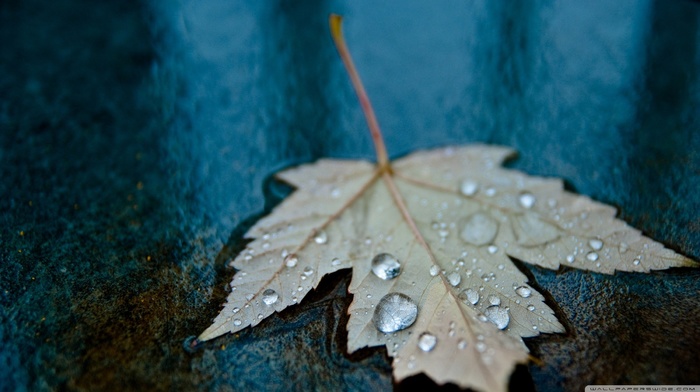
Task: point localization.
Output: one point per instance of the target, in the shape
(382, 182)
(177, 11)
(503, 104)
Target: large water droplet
(469, 295)
(454, 278)
(596, 244)
(468, 187)
(498, 316)
(427, 341)
(526, 199)
(479, 229)
(434, 270)
(270, 296)
(386, 266)
(523, 291)
(394, 312)
(321, 237)
(291, 260)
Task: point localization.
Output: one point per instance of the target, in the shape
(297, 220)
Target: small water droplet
(494, 299)
(592, 256)
(236, 310)
(321, 237)
(427, 341)
(249, 296)
(462, 344)
(531, 308)
(490, 192)
(386, 266)
(300, 288)
(492, 249)
(469, 295)
(285, 253)
(335, 192)
(335, 261)
(526, 199)
(479, 229)
(523, 291)
(394, 312)
(636, 262)
(237, 322)
(308, 271)
(596, 244)
(501, 267)
(434, 270)
(443, 233)
(269, 297)
(468, 188)
(291, 260)
(624, 247)
(498, 316)
(454, 278)
(480, 347)
(570, 258)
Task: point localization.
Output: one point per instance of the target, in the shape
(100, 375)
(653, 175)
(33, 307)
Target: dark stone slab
(137, 143)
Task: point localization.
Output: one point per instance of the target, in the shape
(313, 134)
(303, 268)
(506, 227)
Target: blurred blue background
(138, 140)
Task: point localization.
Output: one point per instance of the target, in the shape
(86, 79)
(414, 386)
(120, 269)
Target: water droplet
(237, 322)
(492, 249)
(494, 300)
(269, 297)
(531, 308)
(479, 229)
(427, 341)
(321, 237)
(236, 310)
(335, 192)
(592, 256)
(490, 192)
(335, 261)
(498, 316)
(308, 271)
(596, 244)
(454, 278)
(636, 262)
(249, 296)
(434, 270)
(624, 247)
(386, 266)
(523, 291)
(469, 295)
(480, 347)
(462, 344)
(570, 258)
(526, 199)
(468, 187)
(443, 233)
(394, 312)
(501, 267)
(291, 260)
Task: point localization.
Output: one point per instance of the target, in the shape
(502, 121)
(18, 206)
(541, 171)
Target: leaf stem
(337, 34)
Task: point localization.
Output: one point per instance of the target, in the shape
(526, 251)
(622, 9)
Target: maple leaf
(429, 239)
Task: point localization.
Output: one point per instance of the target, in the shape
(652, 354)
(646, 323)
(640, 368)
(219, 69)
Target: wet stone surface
(137, 143)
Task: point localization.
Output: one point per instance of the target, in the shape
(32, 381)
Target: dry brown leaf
(429, 240)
